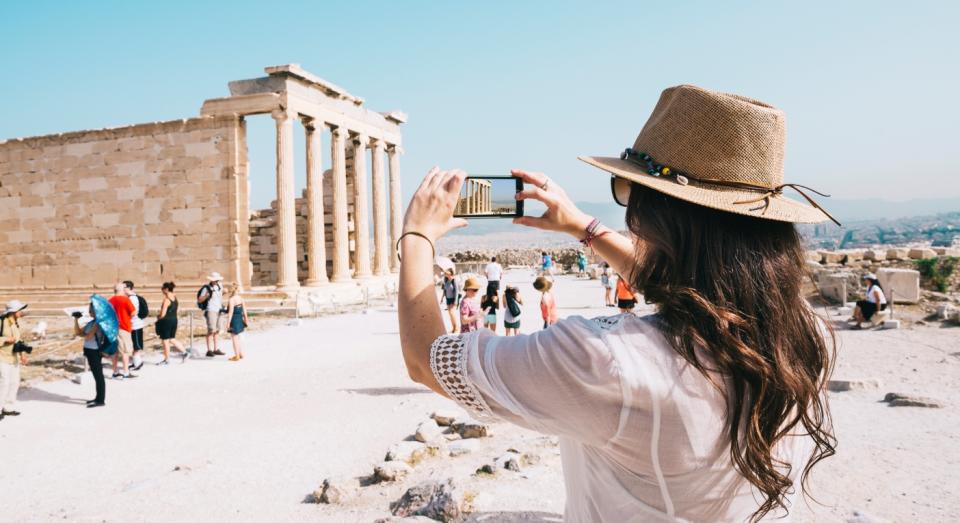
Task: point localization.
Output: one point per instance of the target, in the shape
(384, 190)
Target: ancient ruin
(170, 200)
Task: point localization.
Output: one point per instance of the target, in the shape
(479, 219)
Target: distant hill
(845, 210)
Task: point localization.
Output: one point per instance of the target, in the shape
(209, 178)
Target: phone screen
(489, 197)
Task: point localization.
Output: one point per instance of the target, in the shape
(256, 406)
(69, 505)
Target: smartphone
(489, 197)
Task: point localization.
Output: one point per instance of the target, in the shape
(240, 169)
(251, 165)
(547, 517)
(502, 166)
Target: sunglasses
(620, 187)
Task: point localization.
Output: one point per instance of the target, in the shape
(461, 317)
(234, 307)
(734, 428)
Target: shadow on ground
(42, 395)
(388, 391)
(514, 517)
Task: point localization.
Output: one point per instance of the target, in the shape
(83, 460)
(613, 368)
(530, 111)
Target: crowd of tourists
(113, 328)
(468, 310)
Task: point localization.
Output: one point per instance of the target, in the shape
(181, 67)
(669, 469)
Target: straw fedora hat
(718, 150)
(215, 276)
(13, 306)
(471, 283)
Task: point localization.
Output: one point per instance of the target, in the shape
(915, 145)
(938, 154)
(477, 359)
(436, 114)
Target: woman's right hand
(561, 215)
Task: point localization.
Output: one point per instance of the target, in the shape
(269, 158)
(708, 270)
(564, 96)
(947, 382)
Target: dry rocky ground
(212, 440)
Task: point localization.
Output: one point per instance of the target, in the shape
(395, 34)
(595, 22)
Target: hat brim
(780, 208)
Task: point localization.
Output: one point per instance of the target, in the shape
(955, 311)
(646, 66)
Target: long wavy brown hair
(730, 285)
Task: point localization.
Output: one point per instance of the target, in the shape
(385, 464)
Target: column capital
(281, 115)
(394, 149)
(338, 132)
(361, 139)
(310, 123)
(378, 144)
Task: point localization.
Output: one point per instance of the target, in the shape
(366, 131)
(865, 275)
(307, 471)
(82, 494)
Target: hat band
(655, 169)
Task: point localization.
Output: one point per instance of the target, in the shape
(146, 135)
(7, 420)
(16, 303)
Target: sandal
(234, 358)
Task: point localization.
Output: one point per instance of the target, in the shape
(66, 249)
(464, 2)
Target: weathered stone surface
(832, 257)
(853, 384)
(336, 490)
(898, 254)
(411, 519)
(874, 255)
(391, 470)
(406, 451)
(895, 399)
(919, 254)
(474, 429)
(438, 500)
(837, 286)
(428, 431)
(902, 284)
(946, 311)
(508, 461)
(891, 324)
(445, 417)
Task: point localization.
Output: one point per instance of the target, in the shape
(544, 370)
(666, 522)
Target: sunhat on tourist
(869, 276)
(719, 150)
(471, 284)
(542, 284)
(14, 306)
(215, 276)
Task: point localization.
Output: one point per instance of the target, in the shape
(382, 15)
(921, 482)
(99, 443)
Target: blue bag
(109, 327)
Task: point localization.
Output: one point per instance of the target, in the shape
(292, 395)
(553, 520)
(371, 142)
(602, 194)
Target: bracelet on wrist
(415, 233)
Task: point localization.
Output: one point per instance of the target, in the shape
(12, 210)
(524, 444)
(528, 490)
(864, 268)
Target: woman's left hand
(431, 210)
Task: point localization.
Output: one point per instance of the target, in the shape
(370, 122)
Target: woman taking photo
(167, 323)
(710, 410)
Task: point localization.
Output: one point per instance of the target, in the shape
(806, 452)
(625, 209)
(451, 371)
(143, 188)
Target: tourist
(140, 311)
(469, 309)
(606, 280)
(237, 316)
(489, 305)
(626, 295)
(875, 301)
(581, 264)
(210, 301)
(546, 264)
(13, 354)
(91, 350)
(494, 272)
(714, 408)
(548, 302)
(451, 295)
(167, 323)
(512, 311)
(124, 309)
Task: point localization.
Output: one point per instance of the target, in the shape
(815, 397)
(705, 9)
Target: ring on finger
(545, 184)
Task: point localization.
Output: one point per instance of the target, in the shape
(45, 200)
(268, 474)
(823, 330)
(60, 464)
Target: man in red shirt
(124, 309)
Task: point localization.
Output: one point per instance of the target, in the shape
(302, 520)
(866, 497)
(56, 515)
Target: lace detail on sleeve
(448, 363)
(607, 322)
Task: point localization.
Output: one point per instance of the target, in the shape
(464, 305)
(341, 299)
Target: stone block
(920, 254)
(833, 286)
(891, 324)
(853, 256)
(898, 254)
(874, 255)
(902, 284)
(832, 257)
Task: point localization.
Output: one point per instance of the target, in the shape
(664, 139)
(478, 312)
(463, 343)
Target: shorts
(124, 342)
(493, 286)
(490, 318)
(626, 304)
(137, 336)
(451, 302)
(213, 320)
(868, 309)
(511, 324)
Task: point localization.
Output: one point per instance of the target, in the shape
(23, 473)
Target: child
(511, 313)
(469, 312)
(606, 279)
(489, 304)
(548, 304)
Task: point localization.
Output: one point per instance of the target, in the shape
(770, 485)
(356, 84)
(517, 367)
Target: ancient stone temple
(170, 200)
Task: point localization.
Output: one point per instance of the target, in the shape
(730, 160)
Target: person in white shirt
(712, 409)
(138, 324)
(494, 273)
(874, 302)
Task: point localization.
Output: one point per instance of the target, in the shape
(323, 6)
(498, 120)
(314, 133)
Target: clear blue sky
(871, 89)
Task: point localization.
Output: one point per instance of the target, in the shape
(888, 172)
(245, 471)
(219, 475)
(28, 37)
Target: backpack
(202, 305)
(142, 309)
(513, 306)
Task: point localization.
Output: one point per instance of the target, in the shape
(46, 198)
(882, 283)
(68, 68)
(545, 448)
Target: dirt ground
(213, 440)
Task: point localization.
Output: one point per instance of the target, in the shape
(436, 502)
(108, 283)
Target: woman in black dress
(167, 323)
(238, 321)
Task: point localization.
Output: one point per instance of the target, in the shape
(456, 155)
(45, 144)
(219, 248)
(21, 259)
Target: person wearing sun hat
(10, 361)
(713, 408)
(210, 301)
(470, 312)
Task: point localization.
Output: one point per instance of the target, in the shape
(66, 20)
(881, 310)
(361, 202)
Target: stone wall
(149, 202)
(263, 236)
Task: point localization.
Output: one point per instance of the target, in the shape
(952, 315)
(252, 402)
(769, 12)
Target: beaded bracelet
(414, 233)
(591, 231)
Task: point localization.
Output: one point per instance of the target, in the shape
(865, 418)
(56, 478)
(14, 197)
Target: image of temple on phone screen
(487, 196)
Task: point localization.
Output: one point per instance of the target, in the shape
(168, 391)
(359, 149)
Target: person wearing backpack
(210, 301)
(92, 341)
(140, 311)
(511, 314)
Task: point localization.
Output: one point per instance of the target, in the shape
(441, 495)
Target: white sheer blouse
(642, 432)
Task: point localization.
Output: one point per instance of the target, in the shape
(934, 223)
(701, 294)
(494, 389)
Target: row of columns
(477, 198)
(384, 259)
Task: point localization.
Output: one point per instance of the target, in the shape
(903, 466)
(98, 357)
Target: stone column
(341, 238)
(381, 253)
(396, 217)
(316, 243)
(286, 222)
(361, 221)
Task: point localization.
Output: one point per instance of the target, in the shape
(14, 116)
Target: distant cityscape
(940, 230)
